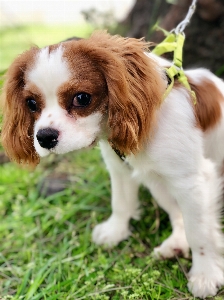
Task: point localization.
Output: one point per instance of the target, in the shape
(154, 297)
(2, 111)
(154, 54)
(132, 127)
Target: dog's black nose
(47, 138)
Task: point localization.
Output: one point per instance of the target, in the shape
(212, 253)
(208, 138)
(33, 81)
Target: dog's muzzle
(47, 138)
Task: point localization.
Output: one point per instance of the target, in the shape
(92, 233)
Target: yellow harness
(174, 43)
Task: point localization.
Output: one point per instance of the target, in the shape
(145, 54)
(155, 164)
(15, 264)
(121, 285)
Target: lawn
(45, 242)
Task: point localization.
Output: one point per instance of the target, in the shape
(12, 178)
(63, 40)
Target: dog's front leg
(176, 243)
(124, 201)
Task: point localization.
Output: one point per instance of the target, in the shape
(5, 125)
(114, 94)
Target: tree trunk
(204, 35)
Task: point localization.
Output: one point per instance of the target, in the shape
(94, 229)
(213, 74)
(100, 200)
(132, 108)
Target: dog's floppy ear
(135, 89)
(17, 127)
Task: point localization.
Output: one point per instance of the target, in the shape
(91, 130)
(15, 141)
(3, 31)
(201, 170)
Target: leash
(174, 42)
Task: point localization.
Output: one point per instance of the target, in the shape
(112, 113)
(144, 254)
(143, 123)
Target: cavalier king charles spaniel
(109, 90)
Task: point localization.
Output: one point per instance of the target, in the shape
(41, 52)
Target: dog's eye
(32, 104)
(82, 100)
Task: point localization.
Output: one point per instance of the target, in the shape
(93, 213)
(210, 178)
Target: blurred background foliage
(203, 46)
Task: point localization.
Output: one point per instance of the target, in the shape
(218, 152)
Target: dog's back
(209, 110)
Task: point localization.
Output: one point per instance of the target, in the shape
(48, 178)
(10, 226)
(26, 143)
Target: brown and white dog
(108, 89)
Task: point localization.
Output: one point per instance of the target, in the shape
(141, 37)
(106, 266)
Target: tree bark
(204, 35)
(143, 16)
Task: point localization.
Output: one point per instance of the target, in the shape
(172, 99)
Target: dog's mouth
(94, 142)
(56, 149)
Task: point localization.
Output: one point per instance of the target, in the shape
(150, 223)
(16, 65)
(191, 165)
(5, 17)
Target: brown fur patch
(86, 77)
(134, 85)
(33, 92)
(207, 108)
(18, 121)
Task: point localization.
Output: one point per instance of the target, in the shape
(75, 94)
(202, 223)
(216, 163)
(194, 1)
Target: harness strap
(119, 154)
(174, 43)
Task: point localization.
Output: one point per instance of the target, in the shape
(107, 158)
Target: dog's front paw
(205, 284)
(173, 246)
(111, 232)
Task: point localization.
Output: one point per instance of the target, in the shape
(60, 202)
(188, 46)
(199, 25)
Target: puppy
(108, 89)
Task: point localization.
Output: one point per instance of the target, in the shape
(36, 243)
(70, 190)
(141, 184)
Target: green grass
(46, 248)
(45, 242)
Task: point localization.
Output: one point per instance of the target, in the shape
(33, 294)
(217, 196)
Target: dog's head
(67, 96)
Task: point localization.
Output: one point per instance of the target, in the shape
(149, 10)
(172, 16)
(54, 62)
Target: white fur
(49, 73)
(180, 165)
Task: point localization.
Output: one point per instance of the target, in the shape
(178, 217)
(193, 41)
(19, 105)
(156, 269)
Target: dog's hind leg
(199, 197)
